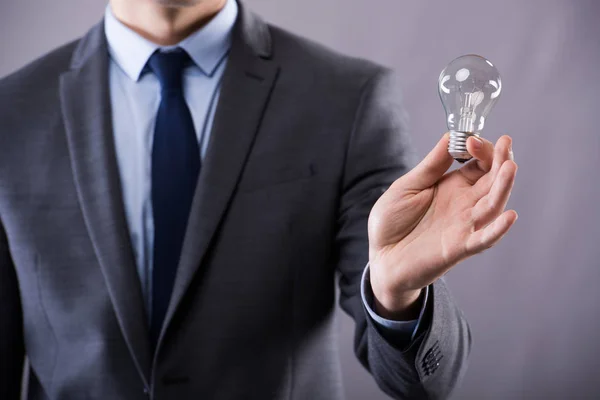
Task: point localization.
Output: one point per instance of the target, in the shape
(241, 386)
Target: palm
(418, 232)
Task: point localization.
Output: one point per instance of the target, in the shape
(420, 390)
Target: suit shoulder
(41, 73)
(314, 58)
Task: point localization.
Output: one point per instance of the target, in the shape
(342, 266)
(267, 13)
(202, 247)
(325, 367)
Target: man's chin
(178, 3)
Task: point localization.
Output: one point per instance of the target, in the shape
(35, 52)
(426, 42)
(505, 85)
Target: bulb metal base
(457, 147)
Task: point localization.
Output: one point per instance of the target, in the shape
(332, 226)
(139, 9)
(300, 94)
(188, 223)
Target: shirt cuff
(395, 331)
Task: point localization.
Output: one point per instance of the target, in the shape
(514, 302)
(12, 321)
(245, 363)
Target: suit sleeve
(379, 152)
(12, 352)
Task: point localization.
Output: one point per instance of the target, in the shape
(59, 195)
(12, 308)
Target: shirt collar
(206, 47)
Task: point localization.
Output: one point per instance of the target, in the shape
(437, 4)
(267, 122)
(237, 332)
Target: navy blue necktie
(175, 168)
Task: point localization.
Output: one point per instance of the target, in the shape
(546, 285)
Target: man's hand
(429, 220)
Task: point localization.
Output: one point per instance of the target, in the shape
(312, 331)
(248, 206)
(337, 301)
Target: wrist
(399, 306)
(393, 302)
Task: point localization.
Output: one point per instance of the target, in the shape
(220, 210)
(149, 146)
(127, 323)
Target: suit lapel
(247, 83)
(84, 93)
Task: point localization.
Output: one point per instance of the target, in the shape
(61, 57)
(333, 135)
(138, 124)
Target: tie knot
(168, 68)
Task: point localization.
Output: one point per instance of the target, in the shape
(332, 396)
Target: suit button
(146, 391)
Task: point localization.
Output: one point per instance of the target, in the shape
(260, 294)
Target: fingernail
(478, 143)
(511, 154)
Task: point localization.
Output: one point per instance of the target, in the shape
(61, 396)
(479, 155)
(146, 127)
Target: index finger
(482, 151)
(483, 156)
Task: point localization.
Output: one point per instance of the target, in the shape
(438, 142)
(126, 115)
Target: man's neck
(162, 24)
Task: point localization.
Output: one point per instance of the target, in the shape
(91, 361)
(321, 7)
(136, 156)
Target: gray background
(532, 301)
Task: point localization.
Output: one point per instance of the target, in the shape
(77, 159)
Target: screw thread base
(457, 146)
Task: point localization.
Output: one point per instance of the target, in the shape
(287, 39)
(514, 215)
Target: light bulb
(469, 87)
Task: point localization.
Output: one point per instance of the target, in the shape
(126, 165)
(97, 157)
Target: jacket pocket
(264, 175)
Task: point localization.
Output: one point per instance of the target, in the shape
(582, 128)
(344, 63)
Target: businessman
(178, 189)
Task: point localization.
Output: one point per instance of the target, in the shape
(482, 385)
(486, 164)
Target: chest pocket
(269, 170)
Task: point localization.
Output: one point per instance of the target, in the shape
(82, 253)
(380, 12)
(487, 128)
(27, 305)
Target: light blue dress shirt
(135, 97)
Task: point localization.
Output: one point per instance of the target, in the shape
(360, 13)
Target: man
(177, 191)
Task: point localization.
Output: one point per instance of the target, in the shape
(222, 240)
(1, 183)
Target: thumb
(431, 168)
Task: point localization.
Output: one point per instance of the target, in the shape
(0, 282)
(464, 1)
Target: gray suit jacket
(304, 142)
